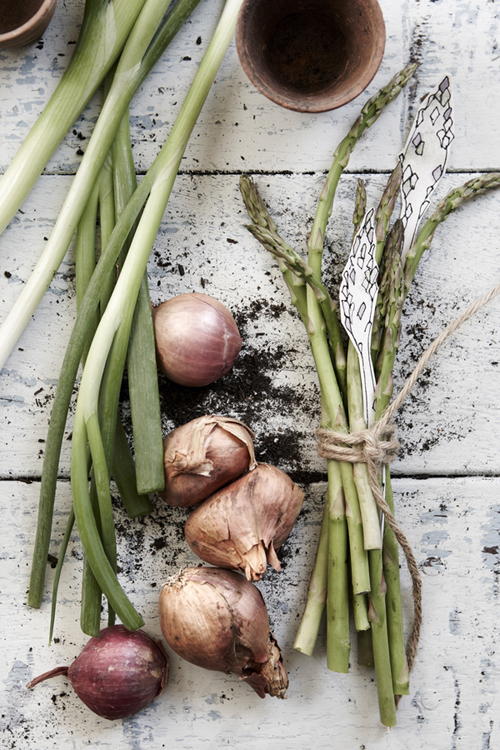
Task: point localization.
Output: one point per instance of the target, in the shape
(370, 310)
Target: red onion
(216, 619)
(202, 456)
(197, 340)
(243, 524)
(118, 673)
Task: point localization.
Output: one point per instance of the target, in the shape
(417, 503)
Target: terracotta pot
(24, 21)
(310, 55)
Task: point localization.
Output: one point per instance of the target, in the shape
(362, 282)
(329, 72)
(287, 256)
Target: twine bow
(376, 446)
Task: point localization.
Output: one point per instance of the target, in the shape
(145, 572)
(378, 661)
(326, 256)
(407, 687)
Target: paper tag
(423, 160)
(358, 296)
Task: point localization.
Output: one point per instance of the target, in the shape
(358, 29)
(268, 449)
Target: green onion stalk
(95, 528)
(152, 31)
(114, 186)
(377, 610)
(98, 281)
(105, 28)
(148, 471)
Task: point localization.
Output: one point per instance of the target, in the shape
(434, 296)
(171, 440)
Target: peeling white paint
(446, 479)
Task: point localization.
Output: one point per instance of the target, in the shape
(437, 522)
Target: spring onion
(117, 319)
(88, 305)
(148, 38)
(105, 28)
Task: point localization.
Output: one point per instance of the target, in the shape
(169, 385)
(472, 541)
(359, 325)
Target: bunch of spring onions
(354, 563)
(110, 326)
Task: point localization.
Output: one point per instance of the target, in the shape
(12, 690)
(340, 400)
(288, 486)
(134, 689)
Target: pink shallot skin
(203, 455)
(242, 525)
(217, 620)
(197, 339)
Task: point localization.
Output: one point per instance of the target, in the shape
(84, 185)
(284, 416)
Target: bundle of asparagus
(357, 557)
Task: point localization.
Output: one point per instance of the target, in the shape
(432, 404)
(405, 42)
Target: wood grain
(446, 477)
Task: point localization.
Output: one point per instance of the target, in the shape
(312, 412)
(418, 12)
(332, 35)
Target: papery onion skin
(204, 455)
(243, 524)
(217, 620)
(118, 673)
(197, 339)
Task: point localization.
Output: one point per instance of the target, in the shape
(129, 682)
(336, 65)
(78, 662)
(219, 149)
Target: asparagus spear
(455, 198)
(266, 232)
(382, 219)
(359, 206)
(332, 406)
(395, 289)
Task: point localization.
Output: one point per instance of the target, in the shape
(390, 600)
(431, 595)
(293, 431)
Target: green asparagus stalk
(307, 633)
(382, 219)
(385, 210)
(377, 605)
(365, 649)
(389, 305)
(332, 406)
(359, 206)
(380, 641)
(455, 198)
(394, 608)
(338, 646)
(368, 116)
(266, 232)
(360, 612)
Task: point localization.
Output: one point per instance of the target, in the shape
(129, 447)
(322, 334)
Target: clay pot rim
(31, 29)
(315, 102)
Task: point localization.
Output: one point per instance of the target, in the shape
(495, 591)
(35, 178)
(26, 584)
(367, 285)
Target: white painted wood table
(447, 477)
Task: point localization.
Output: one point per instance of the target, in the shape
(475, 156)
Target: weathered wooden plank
(240, 128)
(453, 527)
(448, 428)
(449, 425)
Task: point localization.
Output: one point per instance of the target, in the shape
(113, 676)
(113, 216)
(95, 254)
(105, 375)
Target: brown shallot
(204, 455)
(216, 619)
(243, 524)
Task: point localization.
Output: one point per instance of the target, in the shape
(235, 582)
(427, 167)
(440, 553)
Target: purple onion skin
(197, 339)
(118, 673)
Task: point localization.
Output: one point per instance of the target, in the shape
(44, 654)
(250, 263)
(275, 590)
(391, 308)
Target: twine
(376, 446)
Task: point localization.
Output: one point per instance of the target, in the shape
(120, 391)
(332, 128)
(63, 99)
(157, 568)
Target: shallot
(197, 339)
(243, 524)
(118, 673)
(216, 619)
(202, 456)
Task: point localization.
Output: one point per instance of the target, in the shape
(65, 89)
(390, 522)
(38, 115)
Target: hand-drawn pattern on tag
(358, 296)
(424, 158)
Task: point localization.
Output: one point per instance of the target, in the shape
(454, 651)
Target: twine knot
(375, 445)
